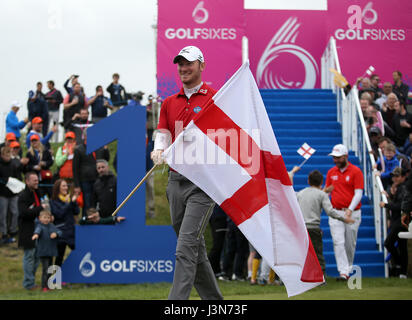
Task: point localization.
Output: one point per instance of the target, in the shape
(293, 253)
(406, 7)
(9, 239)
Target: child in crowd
(390, 163)
(46, 235)
(311, 201)
(93, 217)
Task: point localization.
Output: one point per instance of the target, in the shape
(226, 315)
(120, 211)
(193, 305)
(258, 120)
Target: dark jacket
(7, 170)
(401, 91)
(118, 94)
(46, 247)
(54, 98)
(107, 220)
(28, 212)
(64, 213)
(84, 165)
(395, 202)
(104, 195)
(38, 108)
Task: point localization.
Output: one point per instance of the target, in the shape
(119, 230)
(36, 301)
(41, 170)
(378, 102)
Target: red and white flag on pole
(306, 151)
(230, 151)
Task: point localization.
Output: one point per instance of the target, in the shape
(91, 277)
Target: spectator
(136, 99)
(346, 199)
(396, 194)
(218, 227)
(374, 136)
(64, 208)
(236, 253)
(53, 98)
(311, 201)
(403, 160)
(399, 88)
(364, 104)
(64, 157)
(390, 163)
(389, 109)
(73, 103)
(8, 200)
(99, 104)
(37, 129)
(84, 170)
(13, 124)
(40, 161)
(29, 209)
(375, 80)
(104, 190)
(401, 123)
(373, 118)
(118, 94)
(93, 217)
(79, 125)
(73, 79)
(387, 89)
(46, 235)
(37, 107)
(18, 163)
(407, 147)
(267, 275)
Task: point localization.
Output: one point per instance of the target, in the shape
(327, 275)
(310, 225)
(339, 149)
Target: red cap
(37, 120)
(10, 136)
(34, 137)
(14, 144)
(70, 134)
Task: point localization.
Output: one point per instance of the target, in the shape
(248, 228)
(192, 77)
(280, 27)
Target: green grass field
(11, 276)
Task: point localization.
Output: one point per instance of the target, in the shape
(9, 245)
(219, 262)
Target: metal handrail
(355, 137)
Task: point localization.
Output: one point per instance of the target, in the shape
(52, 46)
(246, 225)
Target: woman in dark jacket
(64, 207)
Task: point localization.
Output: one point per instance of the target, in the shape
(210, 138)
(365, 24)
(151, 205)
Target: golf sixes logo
(361, 25)
(200, 15)
(88, 267)
(283, 49)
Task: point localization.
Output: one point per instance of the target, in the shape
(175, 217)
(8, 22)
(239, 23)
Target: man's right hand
(157, 157)
(348, 220)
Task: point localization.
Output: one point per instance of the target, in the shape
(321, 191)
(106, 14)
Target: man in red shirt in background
(189, 205)
(345, 181)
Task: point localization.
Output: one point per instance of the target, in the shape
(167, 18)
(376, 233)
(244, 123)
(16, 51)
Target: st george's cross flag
(229, 150)
(306, 151)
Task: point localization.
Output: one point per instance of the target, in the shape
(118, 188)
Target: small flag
(306, 151)
(370, 70)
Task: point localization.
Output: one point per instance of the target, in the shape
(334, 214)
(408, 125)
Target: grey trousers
(189, 206)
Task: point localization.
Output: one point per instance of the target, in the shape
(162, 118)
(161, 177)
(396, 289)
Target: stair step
(309, 116)
(312, 124)
(369, 270)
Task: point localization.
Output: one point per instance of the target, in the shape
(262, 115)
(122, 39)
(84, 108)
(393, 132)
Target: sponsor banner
(215, 26)
(285, 47)
(376, 33)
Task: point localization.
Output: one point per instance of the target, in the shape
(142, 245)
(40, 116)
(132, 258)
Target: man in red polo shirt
(190, 207)
(346, 182)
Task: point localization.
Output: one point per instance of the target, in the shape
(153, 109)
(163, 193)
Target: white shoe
(403, 276)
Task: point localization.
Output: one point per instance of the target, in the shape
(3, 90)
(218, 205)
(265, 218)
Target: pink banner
(285, 47)
(372, 33)
(215, 26)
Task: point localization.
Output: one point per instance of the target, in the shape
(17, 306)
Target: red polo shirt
(344, 185)
(178, 108)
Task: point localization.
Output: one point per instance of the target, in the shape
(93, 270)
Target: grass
(11, 274)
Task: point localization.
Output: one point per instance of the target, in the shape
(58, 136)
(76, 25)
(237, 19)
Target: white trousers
(344, 238)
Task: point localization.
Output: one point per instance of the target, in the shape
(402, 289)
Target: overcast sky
(51, 39)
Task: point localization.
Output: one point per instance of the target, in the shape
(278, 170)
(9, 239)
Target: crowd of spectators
(67, 184)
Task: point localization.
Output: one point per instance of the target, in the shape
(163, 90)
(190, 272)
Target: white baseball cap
(190, 53)
(339, 150)
(15, 104)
